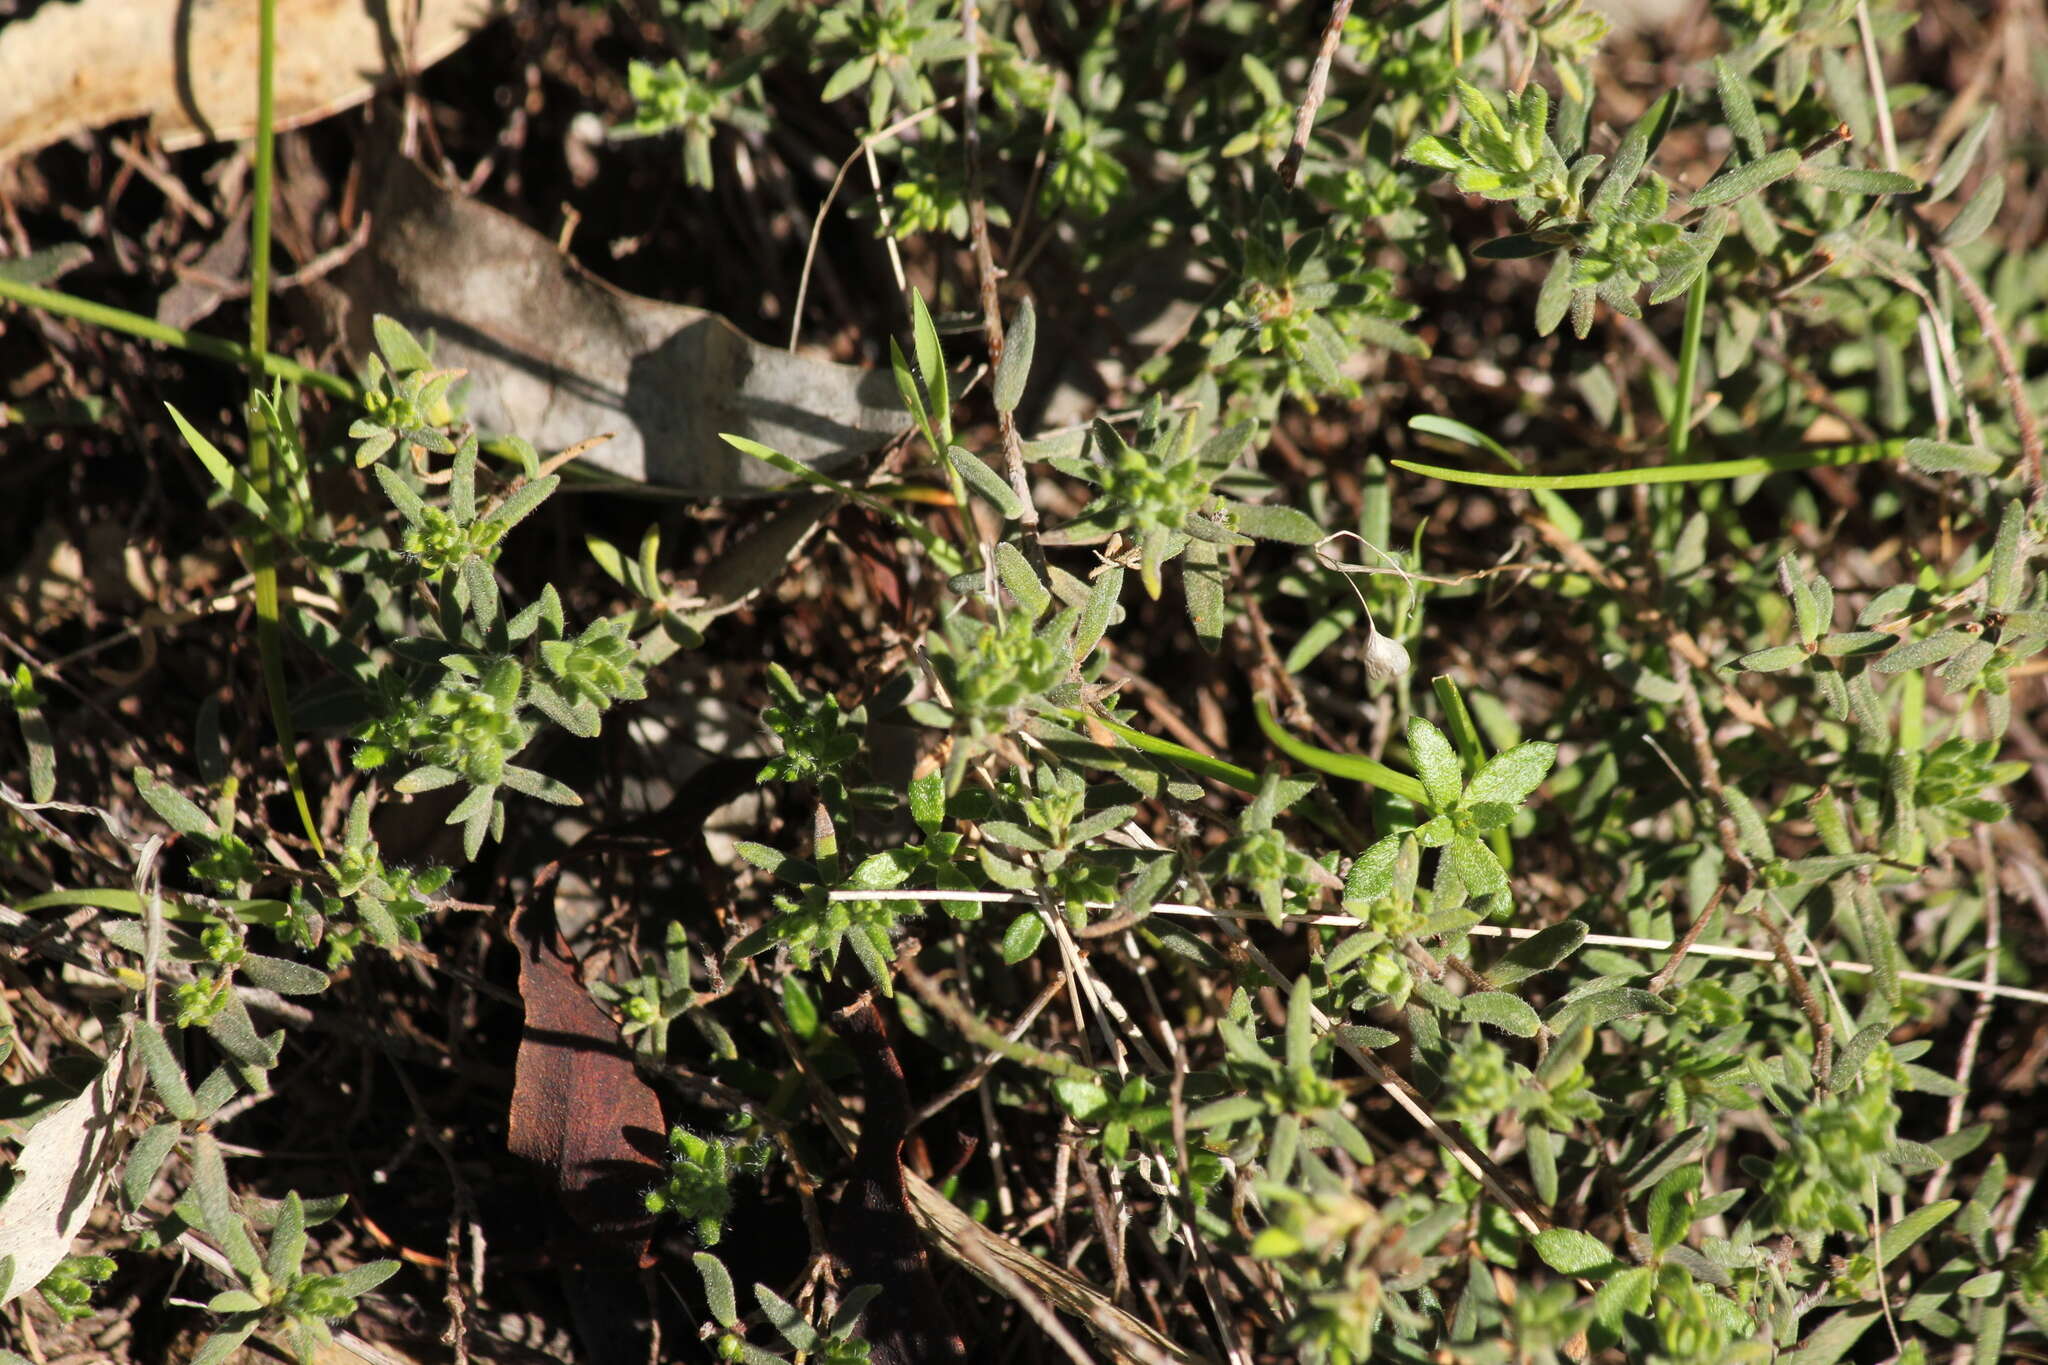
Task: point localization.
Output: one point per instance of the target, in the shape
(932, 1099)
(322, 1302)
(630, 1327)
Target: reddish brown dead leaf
(579, 1108)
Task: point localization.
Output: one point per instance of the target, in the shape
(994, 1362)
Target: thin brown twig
(1684, 945)
(326, 263)
(1823, 1032)
(166, 184)
(1652, 945)
(1052, 105)
(1312, 101)
(1980, 1017)
(2023, 415)
(803, 284)
(1980, 304)
(979, 1071)
(985, 270)
(1521, 1206)
(1683, 646)
(981, 1032)
(1693, 720)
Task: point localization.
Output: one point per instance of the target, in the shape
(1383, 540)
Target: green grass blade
(1451, 429)
(949, 560)
(197, 343)
(263, 550)
(1354, 767)
(1200, 764)
(1779, 462)
(239, 489)
(1688, 368)
(1458, 723)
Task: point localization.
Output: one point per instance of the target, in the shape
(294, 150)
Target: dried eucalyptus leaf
(557, 355)
(58, 1175)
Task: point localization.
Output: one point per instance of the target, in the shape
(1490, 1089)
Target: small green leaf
(1605, 1007)
(1510, 777)
(2002, 583)
(425, 779)
(1083, 1099)
(1202, 583)
(1220, 1113)
(1436, 762)
(480, 586)
(1772, 660)
(146, 1158)
(1538, 953)
(1920, 653)
(1033, 599)
(239, 490)
(928, 801)
(913, 399)
(1515, 247)
(1016, 365)
(1432, 151)
(1960, 157)
(1976, 215)
(401, 494)
(1023, 936)
(931, 362)
(171, 804)
(1463, 433)
(983, 481)
(227, 1340)
(523, 501)
(1631, 156)
(361, 1279)
(528, 782)
(1856, 180)
(845, 81)
(1747, 179)
(717, 1290)
(1738, 109)
(165, 1074)
(1372, 876)
(1477, 866)
(1301, 1031)
(1571, 1252)
(1098, 613)
(786, 1318)
(1670, 1207)
(1283, 524)
(1945, 457)
(283, 975)
(1498, 1009)
(214, 1204)
(1836, 1335)
(287, 1241)
(1556, 295)
(1627, 1292)
(402, 352)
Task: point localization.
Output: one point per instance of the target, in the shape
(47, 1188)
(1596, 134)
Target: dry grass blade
(1004, 1266)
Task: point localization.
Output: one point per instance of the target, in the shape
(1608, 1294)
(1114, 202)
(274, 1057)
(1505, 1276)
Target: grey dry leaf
(191, 67)
(59, 1174)
(556, 355)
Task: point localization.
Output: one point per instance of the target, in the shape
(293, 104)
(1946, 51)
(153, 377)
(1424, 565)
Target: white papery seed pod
(1385, 659)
